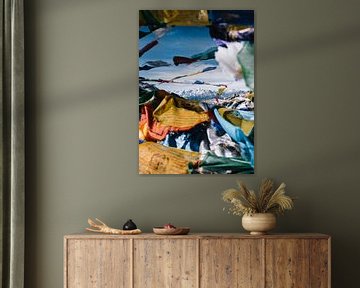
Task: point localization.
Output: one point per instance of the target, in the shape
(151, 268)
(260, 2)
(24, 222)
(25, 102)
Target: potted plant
(258, 210)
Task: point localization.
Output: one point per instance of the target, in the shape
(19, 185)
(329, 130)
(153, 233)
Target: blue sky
(179, 41)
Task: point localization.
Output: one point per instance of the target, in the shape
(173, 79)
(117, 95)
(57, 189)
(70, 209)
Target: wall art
(196, 91)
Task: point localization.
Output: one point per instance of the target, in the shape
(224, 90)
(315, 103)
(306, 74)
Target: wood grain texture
(88, 235)
(197, 260)
(98, 264)
(66, 262)
(287, 263)
(319, 263)
(164, 263)
(231, 263)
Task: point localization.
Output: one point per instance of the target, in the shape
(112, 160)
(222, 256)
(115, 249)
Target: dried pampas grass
(267, 200)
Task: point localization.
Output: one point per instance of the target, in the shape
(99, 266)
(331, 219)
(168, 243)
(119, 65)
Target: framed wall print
(196, 91)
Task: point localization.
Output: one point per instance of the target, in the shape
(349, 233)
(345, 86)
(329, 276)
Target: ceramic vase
(259, 223)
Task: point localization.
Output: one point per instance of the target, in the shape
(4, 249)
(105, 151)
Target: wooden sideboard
(197, 260)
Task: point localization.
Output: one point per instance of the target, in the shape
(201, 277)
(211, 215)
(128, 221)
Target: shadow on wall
(102, 92)
(313, 44)
(92, 95)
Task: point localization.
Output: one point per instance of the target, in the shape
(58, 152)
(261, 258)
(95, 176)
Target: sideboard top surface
(87, 235)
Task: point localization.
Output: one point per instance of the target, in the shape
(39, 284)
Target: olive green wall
(81, 97)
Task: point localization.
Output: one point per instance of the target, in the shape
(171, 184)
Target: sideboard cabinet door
(287, 263)
(165, 263)
(297, 263)
(320, 263)
(98, 263)
(231, 263)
